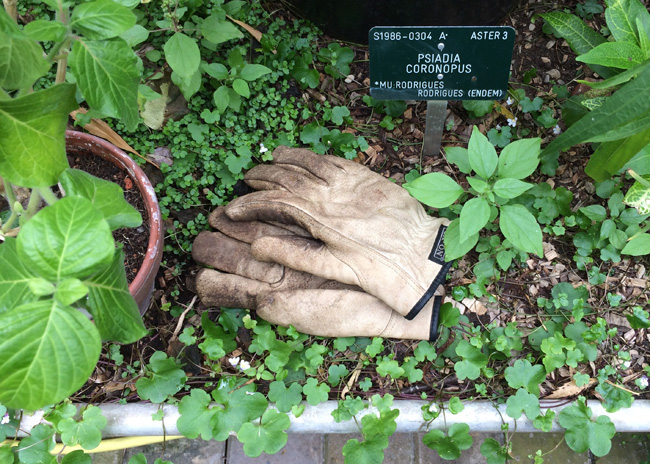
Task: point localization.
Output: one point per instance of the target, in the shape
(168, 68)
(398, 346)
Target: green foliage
(268, 436)
(87, 432)
(583, 433)
(525, 375)
(493, 452)
(449, 446)
(376, 431)
(497, 182)
(472, 361)
(165, 378)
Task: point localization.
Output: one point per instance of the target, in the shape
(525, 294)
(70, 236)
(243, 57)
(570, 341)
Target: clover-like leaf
(370, 451)
(493, 452)
(523, 374)
(37, 447)
(473, 361)
(315, 393)
(544, 422)
(268, 436)
(239, 407)
(86, 432)
(449, 446)
(195, 415)
(285, 398)
(164, 378)
(583, 433)
(522, 401)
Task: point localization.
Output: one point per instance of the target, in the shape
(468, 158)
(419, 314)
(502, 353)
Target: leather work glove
(283, 296)
(369, 231)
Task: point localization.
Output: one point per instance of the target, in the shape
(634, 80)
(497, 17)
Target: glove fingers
(228, 290)
(247, 231)
(284, 177)
(226, 254)
(338, 313)
(303, 254)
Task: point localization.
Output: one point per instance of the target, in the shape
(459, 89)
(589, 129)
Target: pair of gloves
(328, 246)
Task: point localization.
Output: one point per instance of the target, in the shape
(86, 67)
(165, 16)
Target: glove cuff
(439, 279)
(435, 314)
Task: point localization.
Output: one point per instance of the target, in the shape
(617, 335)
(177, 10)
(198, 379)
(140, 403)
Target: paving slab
(425, 455)
(628, 448)
(401, 448)
(527, 444)
(181, 451)
(300, 449)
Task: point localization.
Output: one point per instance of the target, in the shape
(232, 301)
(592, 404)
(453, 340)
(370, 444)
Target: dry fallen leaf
(570, 389)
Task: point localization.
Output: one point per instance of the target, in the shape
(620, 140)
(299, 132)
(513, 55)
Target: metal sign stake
(435, 123)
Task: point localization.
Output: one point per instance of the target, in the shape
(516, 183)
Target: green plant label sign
(440, 63)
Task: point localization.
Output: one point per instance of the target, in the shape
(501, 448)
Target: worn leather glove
(369, 231)
(283, 296)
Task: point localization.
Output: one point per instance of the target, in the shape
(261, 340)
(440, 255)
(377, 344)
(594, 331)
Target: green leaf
(451, 446)
(493, 452)
(449, 316)
(218, 31)
(638, 246)
(239, 407)
(455, 405)
(370, 451)
(520, 227)
(87, 432)
(544, 422)
(473, 361)
(107, 75)
(268, 436)
(389, 367)
(473, 217)
(511, 188)
(32, 146)
(596, 213)
(623, 114)
(610, 157)
(67, 239)
(583, 433)
(69, 291)
(434, 189)
(251, 72)
(482, 155)
(182, 54)
(44, 30)
(114, 310)
(101, 19)
(216, 70)
(460, 157)
(241, 87)
(106, 196)
(77, 457)
(425, 351)
(21, 59)
(221, 98)
(620, 17)
(614, 55)
(519, 159)
(15, 277)
(454, 247)
(314, 392)
(37, 447)
(285, 398)
(164, 378)
(522, 402)
(524, 374)
(336, 373)
(195, 415)
(48, 352)
(639, 197)
(639, 319)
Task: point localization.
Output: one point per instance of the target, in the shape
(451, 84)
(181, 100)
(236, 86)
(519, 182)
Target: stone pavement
(405, 448)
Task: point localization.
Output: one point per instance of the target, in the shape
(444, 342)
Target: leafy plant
(498, 181)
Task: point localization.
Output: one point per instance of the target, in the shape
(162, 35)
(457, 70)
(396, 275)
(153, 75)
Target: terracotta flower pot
(142, 286)
(352, 19)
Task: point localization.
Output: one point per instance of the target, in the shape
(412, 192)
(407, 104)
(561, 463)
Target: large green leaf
(482, 155)
(434, 189)
(454, 246)
(250, 72)
(48, 351)
(14, 277)
(609, 157)
(43, 29)
(519, 159)
(106, 73)
(638, 246)
(520, 227)
(620, 16)
(114, 310)
(217, 31)
(583, 432)
(102, 19)
(21, 59)
(473, 217)
(182, 54)
(626, 112)
(32, 146)
(580, 37)
(621, 55)
(106, 196)
(67, 239)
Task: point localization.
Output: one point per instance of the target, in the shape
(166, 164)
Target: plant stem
(32, 205)
(10, 7)
(48, 195)
(11, 199)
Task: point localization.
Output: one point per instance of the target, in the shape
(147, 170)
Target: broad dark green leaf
(114, 310)
(268, 436)
(610, 157)
(519, 159)
(67, 239)
(108, 78)
(639, 246)
(42, 30)
(623, 114)
(107, 197)
(454, 246)
(217, 31)
(434, 189)
(102, 19)
(620, 55)
(583, 432)
(242, 405)
(250, 72)
(195, 415)
(21, 59)
(520, 227)
(473, 217)
(510, 188)
(48, 351)
(482, 155)
(620, 16)
(32, 146)
(216, 70)
(182, 54)
(14, 277)
(459, 157)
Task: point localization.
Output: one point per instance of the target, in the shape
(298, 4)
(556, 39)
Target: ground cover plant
(549, 292)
